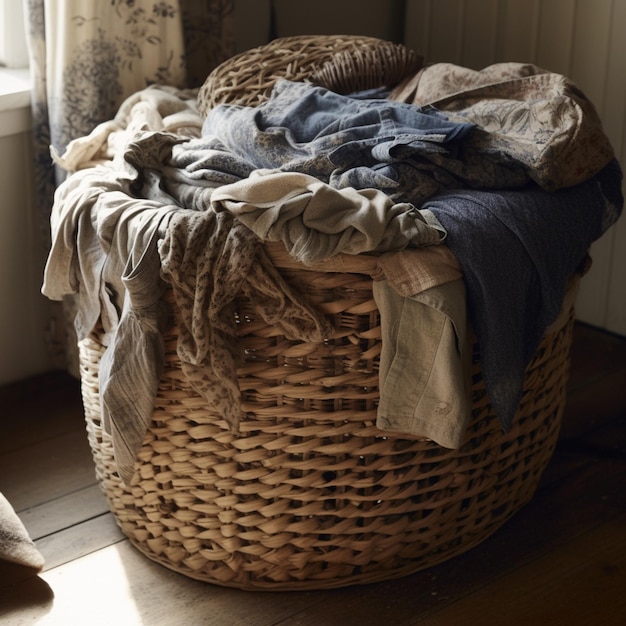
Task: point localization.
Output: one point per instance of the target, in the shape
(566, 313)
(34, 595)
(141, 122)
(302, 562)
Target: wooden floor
(561, 560)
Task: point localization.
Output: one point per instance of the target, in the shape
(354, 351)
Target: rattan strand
(344, 64)
(309, 494)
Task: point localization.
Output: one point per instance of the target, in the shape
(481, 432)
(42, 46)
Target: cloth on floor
(16, 546)
(517, 250)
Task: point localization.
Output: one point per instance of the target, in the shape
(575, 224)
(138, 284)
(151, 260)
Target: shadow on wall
(258, 21)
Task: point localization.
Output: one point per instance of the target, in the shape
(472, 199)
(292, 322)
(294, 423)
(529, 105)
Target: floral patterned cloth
(526, 115)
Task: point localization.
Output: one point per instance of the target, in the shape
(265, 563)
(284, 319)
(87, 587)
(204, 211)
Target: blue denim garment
(398, 148)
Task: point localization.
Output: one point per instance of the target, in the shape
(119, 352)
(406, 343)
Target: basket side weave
(310, 494)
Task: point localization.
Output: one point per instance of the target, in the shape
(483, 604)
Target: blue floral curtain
(87, 57)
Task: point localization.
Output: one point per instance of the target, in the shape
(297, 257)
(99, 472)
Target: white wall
(23, 310)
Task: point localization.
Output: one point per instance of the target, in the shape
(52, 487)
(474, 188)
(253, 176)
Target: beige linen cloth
(316, 221)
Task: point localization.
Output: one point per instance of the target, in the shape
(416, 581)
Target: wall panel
(417, 25)
(348, 17)
(518, 30)
(555, 33)
(589, 64)
(590, 48)
(23, 310)
(446, 26)
(479, 34)
(252, 23)
(614, 115)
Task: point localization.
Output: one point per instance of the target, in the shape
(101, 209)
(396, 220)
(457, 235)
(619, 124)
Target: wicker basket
(341, 63)
(310, 494)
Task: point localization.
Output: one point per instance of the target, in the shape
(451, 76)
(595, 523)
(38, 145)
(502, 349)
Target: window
(13, 50)
(14, 74)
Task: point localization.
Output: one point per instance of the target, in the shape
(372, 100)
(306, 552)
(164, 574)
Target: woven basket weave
(310, 494)
(343, 64)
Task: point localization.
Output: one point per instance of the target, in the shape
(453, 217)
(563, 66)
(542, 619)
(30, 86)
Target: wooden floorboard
(64, 512)
(79, 540)
(46, 470)
(117, 585)
(581, 582)
(560, 560)
(39, 408)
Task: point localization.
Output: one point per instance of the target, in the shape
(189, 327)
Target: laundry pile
(477, 193)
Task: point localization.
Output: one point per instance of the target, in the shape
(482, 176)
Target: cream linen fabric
(316, 221)
(426, 359)
(425, 363)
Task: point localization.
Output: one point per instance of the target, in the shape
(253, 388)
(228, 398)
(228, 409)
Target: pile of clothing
(478, 193)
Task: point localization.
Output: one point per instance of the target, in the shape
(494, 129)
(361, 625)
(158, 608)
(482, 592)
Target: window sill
(15, 88)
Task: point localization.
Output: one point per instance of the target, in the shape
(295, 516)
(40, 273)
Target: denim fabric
(347, 142)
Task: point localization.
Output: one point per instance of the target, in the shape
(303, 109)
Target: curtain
(86, 57)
